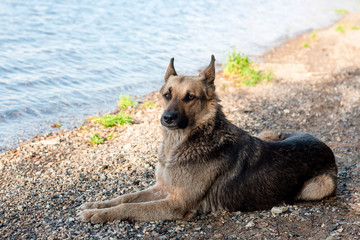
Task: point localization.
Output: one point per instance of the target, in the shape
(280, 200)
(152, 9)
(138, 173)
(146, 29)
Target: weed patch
(344, 26)
(148, 104)
(112, 120)
(126, 102)
(341, 11)
(306, 45)
(340, 28)
(239, 67)
(96, 139)
(313, 36)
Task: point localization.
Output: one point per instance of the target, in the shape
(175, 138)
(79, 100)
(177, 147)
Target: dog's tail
(270, 135)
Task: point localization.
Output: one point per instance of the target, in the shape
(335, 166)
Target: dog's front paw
(95, 216)
(89, 205)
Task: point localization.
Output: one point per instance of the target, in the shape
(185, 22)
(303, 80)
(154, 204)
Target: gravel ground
(44, 180)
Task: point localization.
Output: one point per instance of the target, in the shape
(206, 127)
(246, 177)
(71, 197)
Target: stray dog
(206, 163)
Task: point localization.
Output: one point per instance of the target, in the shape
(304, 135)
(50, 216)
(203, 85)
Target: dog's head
(188, 100)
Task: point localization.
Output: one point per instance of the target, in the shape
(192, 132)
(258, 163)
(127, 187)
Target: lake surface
(62, 61)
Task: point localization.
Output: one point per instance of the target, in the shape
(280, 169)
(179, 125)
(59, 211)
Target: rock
(250, 224)
(278, 210)
(53, 141)
(333, 236)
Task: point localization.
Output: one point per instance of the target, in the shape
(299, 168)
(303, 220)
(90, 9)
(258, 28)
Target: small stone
(333, 236)
(250, 224)
(277, 210)
(340, 230)
(332, 228)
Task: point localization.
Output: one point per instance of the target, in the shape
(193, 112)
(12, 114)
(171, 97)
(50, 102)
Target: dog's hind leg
(318, 187)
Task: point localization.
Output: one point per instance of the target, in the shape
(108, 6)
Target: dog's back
(261, 174)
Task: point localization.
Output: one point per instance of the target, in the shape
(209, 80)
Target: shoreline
(13, 144)
(316, 89)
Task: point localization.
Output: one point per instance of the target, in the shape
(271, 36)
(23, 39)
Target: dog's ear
(170, 70)
(208, 77)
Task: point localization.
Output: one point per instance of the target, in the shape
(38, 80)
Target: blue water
(61, 61)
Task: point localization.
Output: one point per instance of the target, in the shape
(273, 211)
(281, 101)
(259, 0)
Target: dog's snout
(170, 117)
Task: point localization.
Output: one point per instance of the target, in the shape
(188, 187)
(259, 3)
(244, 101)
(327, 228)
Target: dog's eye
(167, 96)
(189, 97)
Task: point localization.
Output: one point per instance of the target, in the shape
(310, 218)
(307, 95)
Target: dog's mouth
(173, 121)
(170, 126)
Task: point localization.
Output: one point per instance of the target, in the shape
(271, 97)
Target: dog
(207, 164)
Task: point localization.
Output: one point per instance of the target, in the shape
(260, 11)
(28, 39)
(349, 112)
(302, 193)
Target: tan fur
(178, 187)
(318, 187)
(269, 135)
(199, 111)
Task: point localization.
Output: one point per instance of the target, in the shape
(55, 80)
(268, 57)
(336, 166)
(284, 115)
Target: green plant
(97, 139)
(355, 27)
(148, 104)
(125, 102)
(112, 120)
(239, 66)
(111, 136)
(340, 28)
(313, 36)
(306, 45)
(341, 11)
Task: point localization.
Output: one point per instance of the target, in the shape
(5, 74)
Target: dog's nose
(170, 117)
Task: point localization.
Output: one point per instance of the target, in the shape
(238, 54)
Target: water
(61, 61)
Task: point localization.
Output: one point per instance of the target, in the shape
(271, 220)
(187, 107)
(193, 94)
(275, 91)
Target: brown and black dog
(206, 163)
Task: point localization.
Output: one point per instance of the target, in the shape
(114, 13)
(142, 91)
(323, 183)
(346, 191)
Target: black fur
(255, 174)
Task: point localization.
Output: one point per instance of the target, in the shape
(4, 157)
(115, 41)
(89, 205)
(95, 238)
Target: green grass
(340, 28)
(239, 66)
(148, 104)
(341, 11)
(313, 36)
(97, 139)
(126, 101)
(306, 45)
(111, 136)
(112, 120)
